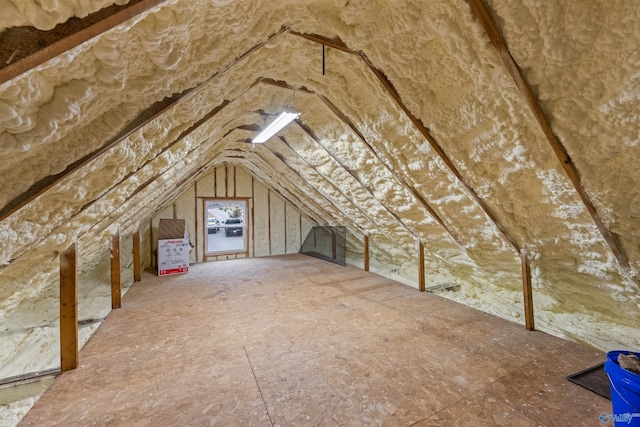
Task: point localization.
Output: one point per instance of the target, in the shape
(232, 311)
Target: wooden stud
(253, 217)
(235, 183)
(116, 288)
(153, 262)
(366, 253)
(68, 309)
(137, 265)
(226, 180)
(286, 249)
(195, 209)
(421, 279)
(526, 288)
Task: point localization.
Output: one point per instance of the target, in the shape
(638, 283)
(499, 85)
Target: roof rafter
(74, 39)
(388, 86)
(333, 185)
(481, 12)
(143, 118)
(347, 122)
(273, 181)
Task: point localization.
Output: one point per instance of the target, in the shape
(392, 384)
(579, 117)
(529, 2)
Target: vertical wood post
(366, 253)
(526, 288)
(116, 289)
(421, 283)
(68, 309)
(137, 265)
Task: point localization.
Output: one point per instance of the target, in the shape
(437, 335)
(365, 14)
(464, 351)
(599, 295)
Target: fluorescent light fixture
(281, 121)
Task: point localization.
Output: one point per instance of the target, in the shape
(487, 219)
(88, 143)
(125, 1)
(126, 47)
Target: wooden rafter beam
(482, 14)
(280, 189)
(143, 118)
(419, 197)
(317, 140)
(322, 195)
(365, 252)
(72, 39)
(326, 178)
(437, 148)
(421, 278)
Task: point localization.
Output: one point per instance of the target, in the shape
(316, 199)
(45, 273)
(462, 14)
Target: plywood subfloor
(296, 341)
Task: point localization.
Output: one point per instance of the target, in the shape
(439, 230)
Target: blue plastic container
(625, 392)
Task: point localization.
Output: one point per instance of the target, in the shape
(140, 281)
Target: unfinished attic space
(484, 151)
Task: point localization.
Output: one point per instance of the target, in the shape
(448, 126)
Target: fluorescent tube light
(281, 121)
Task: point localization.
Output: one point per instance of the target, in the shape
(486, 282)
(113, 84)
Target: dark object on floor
(594, 379)
(327, 243)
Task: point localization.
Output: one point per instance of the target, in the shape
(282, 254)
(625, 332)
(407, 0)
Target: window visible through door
(225, 226)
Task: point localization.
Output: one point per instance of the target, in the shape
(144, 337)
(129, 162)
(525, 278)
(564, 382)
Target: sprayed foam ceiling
(416, 130)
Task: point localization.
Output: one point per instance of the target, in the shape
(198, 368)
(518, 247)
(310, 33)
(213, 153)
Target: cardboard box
(173, 247)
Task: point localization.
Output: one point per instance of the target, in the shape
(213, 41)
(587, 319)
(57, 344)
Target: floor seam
(258, 385)
(475, 392)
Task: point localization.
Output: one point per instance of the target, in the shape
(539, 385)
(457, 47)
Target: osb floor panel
(295, 341)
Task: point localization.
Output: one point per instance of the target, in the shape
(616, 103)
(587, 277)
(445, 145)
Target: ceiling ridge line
(300, 202)
(241, 159)
(500, 46)
(390, 89)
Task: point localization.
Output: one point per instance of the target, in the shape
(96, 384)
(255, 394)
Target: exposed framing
(421, 278)
(69, 309)
(393, 93)
(483, 16)
(529, 321)
(365, 254)
(74, 39)
(116, 286)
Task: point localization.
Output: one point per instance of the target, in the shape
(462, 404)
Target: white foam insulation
(415, 131)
